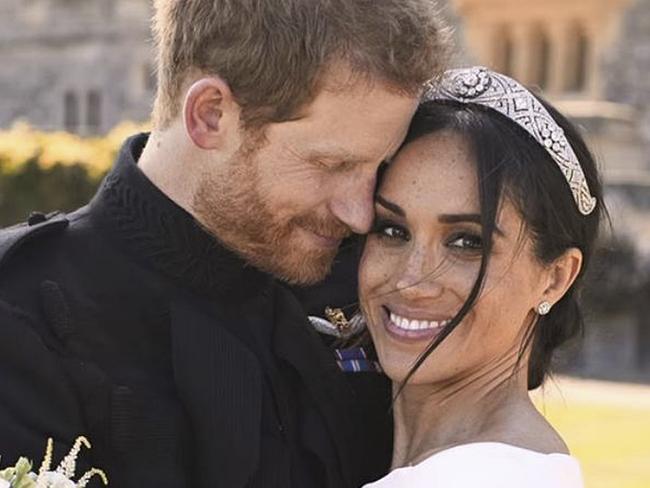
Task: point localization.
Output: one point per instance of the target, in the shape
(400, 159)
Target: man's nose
(353, 203)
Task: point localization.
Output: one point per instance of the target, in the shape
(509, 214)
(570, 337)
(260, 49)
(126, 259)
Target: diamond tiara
(482, 86)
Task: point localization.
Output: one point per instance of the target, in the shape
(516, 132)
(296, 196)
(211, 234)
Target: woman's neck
(477, 407)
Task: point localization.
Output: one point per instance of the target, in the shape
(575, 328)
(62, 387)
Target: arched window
(94, 111)
(508, 56)
(71, 111)
(504, 51)
(541, 58)
(578, 60)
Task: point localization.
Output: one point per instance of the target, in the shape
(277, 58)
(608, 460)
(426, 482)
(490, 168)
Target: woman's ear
(562, 273)
(210, 113)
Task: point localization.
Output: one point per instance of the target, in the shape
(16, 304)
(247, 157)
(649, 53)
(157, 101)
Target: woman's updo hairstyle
(511, 164)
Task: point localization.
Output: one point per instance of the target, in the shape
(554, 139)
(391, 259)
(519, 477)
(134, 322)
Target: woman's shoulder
(489, 465)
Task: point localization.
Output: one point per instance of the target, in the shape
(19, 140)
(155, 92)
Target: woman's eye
(469, 242)
(391, 231)
(395, 233)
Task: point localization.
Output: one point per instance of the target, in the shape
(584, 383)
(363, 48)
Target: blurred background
(77, 78)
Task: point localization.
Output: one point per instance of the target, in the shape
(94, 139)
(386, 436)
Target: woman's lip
(404, 335)
(412, 314)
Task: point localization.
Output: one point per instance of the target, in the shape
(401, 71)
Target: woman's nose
(420, 277)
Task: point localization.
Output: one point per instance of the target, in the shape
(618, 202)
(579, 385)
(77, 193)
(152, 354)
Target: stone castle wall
(59, 57)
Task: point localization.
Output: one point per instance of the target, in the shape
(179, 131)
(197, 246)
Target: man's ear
(562, 273)
(210, 113)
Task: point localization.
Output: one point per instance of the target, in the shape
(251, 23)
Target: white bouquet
(21, 475)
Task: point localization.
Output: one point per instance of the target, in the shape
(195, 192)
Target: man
(157, 320)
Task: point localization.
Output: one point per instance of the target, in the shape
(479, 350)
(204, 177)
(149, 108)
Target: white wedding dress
(487, 465)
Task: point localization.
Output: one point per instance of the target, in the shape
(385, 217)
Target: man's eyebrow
(393, 207)
(460, 218)
(334, 153)
(348, 155)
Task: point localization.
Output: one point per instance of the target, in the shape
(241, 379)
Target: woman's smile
(424, 256)
(410, 326)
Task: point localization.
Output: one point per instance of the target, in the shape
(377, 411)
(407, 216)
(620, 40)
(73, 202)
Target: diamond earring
(543, 308)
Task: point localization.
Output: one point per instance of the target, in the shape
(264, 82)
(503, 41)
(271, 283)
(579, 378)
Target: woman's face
(421, 261)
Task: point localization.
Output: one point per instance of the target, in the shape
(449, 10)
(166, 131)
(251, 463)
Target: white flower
(56, 480)
(23, 475)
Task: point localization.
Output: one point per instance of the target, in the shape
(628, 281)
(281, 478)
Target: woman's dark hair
(511, 163)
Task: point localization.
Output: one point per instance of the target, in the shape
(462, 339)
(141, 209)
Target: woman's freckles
(421, 264)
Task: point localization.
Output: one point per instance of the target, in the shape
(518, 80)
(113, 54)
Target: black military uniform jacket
(126, 322)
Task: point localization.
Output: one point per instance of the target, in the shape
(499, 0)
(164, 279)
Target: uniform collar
(150, 226)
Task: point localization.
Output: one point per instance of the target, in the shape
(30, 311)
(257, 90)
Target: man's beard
(232, 208)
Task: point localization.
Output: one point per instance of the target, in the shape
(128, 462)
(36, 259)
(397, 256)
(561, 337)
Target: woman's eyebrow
(460, 218)
(393, 207)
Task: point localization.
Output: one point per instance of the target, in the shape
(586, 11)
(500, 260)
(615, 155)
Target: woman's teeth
(408, 324)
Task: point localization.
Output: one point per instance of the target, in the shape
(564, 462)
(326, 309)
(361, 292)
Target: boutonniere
(22, 476)
(337, 324)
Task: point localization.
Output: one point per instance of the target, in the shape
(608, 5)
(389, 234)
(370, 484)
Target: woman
(486, 221)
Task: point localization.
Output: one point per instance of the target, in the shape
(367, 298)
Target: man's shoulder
(39, 241)
(38, 226)
(41, 229)
(56, 247)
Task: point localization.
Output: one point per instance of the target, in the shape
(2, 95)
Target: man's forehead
(356, 130)
(358, 97)
(346, 149)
